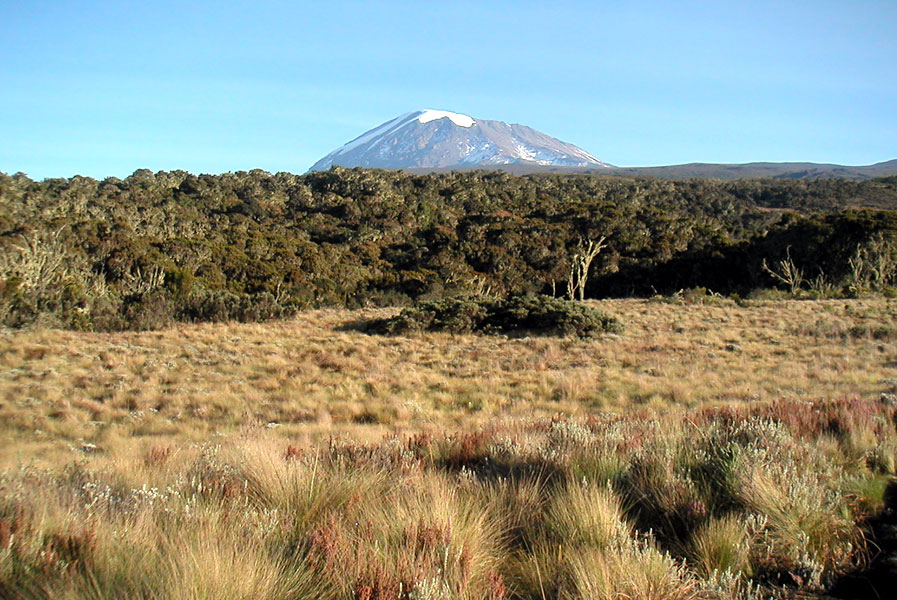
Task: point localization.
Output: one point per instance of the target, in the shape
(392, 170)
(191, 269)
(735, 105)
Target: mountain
(437, 139)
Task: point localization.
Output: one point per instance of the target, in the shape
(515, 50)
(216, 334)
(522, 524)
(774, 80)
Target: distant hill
(711, 170)
(766, 169)
(434, 141)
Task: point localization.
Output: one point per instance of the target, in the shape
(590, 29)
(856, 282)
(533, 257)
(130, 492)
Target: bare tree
(586, 251)
(140, 282)
(480, 284)
(786, 272)
(39, 261)
(873, 264)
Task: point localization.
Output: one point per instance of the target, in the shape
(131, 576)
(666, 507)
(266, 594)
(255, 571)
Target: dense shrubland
(153, 248)
(710, 504)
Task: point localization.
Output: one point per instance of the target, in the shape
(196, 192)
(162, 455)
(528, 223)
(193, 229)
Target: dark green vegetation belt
(142, 252)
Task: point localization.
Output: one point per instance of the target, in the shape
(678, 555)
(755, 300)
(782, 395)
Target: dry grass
(505, 512)
(308, 377)
(710, 449)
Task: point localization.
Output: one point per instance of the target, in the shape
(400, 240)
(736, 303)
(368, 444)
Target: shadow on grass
(878, 579)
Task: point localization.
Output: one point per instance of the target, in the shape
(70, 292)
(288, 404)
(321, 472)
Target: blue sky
(105, 88)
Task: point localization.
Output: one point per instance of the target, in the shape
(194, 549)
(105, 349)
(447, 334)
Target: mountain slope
(435, 139)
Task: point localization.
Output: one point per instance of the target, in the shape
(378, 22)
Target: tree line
(153, 248)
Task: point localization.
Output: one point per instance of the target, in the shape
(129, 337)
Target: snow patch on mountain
(456, 118)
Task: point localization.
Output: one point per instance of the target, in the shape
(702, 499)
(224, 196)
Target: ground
(712, 450)
(314, 376)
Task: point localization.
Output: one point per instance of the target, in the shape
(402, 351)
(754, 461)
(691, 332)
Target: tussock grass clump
(722, 544)
(586, 515)
(526, 314)
(633, 570)
(412, 540)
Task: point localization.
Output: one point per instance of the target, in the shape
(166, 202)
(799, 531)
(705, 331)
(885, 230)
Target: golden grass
(587, 515)
(612, 506)
(309, 377)
(721, 545)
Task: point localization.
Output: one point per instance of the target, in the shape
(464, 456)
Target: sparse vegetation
(305, 459)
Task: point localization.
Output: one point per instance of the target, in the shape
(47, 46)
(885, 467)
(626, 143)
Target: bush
(528, 314)
(142, 312)
(222, 305)
(454, 315)
(550, 316)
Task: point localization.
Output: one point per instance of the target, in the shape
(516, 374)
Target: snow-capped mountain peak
(433, 138)
(429, 114)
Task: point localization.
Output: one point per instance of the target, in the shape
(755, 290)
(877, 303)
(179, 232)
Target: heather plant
(453, 315)
(172, 246)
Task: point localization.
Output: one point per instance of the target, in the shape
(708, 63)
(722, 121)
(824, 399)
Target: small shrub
(454, 315)
(768, 294)
(550, 316)
(528, 314)
(152, 310)
(222, 305)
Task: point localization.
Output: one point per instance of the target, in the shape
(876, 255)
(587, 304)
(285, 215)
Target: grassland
(712, 450)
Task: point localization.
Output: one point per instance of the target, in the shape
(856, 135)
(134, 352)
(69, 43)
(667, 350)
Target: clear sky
(105, 88)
